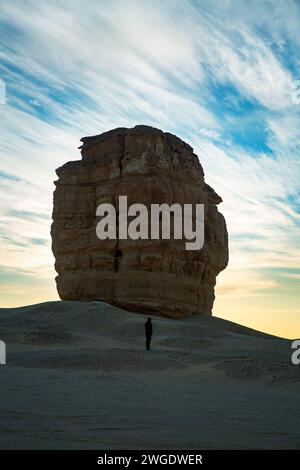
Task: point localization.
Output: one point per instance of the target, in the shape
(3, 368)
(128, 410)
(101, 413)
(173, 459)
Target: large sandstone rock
(149, 166)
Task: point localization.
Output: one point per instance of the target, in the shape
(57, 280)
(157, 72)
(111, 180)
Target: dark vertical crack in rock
(118, 252)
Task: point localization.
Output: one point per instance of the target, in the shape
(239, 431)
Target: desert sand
(78, 377)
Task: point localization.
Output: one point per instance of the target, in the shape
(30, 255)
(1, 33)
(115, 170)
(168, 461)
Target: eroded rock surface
(149, 166)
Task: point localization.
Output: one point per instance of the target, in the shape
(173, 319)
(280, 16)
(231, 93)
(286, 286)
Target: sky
(222, 75)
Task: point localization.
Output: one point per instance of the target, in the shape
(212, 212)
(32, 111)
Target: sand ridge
(81, 368)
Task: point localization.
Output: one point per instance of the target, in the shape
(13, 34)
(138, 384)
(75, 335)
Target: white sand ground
(78, 377)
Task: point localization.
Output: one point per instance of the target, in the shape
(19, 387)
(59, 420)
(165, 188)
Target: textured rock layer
(149, 166)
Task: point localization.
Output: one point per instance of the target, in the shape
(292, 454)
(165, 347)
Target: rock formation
(149, 166)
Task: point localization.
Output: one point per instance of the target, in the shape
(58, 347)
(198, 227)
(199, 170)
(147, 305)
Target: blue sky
(219, 74)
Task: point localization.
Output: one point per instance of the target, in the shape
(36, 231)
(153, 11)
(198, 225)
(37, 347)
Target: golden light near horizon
(266, 309)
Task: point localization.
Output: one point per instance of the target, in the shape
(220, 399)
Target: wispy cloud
(8, 176)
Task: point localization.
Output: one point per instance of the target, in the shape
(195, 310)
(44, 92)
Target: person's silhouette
(148, 332)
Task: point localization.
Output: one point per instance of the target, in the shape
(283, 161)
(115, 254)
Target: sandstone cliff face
(149, 166)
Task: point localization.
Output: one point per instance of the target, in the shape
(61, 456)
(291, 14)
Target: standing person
(148, 332)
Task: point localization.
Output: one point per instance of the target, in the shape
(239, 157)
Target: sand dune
(78, 376)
